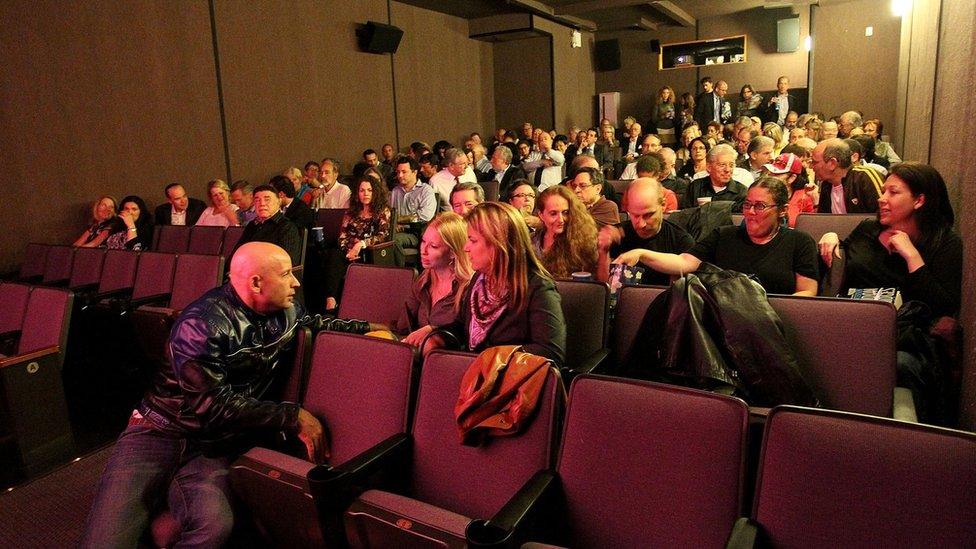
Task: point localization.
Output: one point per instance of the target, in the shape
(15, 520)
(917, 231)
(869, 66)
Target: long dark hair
(380, 196)
(935, 217)
(145, 220)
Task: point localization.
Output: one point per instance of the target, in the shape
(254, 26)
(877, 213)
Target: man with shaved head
(209, 404)
(645, 228)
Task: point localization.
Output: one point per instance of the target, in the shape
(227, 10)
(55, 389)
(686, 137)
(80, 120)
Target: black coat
(193, 211)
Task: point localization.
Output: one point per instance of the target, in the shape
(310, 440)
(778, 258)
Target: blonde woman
(436, 296)
(103, 224)
(511, 299)
(222, 212)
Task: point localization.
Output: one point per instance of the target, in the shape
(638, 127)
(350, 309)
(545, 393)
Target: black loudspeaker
(379, 38)
(607, 55)
(655, 46)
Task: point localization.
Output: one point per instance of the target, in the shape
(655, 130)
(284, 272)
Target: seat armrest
(157, 299)
(498, 531)
(33, 356)
(903, 406)
(744, 534)
(328, 483)
(592, 362)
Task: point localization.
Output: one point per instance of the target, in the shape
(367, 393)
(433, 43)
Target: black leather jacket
(223, 357)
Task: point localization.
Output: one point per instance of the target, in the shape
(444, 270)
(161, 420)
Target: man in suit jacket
(503, 171)
(297, 211)
(181, 209)
(779, 105)
(705, 110)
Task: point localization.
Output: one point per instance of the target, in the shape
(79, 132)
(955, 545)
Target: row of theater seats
(34, 429)
(630, 464)
(845, 348)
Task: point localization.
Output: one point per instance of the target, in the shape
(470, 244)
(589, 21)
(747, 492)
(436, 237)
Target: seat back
(46, 322)
(375, 293)
(818, 224)
(330, 219)
(586, 308)
(678, 454)
(231, 236)
(834, 479)
(13, 305)
(492, 190)
(57, 268)
(475, 481)
(845, 349)
(34, 259)
(118, 271)
(205, 240)
(173, 239)
(87, 267)
(632, 305)
(360, 388)
(195, 275)
(154, 276)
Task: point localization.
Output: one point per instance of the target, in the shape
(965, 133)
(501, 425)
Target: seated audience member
(270, 225)
(545, 166)
(221, 213)
(784, 261)
(650, 143)
(329, 193)
(504, 172)
(718, 184)
(522, 198)
(713, 133)
(673, 184)
(138, 232)
(795, 134)
(653, 165)
(429, 166)
(852, 189)
(683, 154)
(456, 170)
(607, 149)
(588, 185)
(511, 299)
(697, 161)
(436, 294)
(631, 146)
(566, 243)
(743, 136)
(645, 229)
(366, 222)
(847, 123)
(830, 129)
(389, 154)
(814, 129)
(418, 149)
(412, 200)
(759, 153)
(465, 196)
(295, 176)
(294, 210)
(181, 210)
(868, 156)
(310, 180)
(104, 223)
(789, 169)
(481, 163)
(911, 246)
(242, 195)
(440, 147)
(882, 149)
(524, 150)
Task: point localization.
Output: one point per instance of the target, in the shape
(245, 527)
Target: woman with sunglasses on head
(783, 260)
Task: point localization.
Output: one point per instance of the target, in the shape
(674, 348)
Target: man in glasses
(503, 170)
(718, 185)
(588, 186)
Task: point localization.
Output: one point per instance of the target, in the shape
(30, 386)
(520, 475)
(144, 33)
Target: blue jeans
(146, 467)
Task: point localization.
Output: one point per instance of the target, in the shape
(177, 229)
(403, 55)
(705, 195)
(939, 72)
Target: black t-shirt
(671, 239)
(775, 263)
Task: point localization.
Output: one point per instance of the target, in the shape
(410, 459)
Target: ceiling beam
(594, 5)
(640, 23)
(676, 14)
(544, 10)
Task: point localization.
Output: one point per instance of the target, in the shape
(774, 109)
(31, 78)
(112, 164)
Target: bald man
(645, 228)
(208, 404)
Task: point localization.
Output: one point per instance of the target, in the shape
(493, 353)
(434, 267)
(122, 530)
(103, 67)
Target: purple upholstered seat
(452, 483)
(57, 268)
(650, 465)
(836, 479)
(375, 293)
(154, 276)
(34, 259)
(586, 308)
(231, 236)
(13, 306)
(359, 388)
(632, 304)
(818, 224)
(118, 271)
(87, 268)
(205, 240)
(172, 239)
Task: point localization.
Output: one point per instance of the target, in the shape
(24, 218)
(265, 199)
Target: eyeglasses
(579, 186)
(523, 195)
(758, 207)
(729, 165)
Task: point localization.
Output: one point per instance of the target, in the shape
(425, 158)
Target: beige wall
(851, 71)
(574, 101)
(523, 82)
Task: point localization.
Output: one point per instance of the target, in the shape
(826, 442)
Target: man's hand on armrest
(310, 432)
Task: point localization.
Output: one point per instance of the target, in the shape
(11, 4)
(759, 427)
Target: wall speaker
(788, 35)
(379, 38)
(607, 54)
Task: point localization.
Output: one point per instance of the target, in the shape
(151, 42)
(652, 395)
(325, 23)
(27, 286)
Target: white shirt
(336, 197)
(741, 175)
(177, 218)
(630, 172)
(210, 218)
(444, 181)
(552, 175)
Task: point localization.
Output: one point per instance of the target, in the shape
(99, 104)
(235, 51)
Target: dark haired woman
(783, 260)
(697, 158)
(138, 222)
(749, 102)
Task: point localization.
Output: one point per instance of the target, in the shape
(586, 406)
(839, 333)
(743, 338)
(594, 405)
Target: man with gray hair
(847, 122)
(456, 170)
(718, 185)
(503, 171)
(853, 189)
(759, 153)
